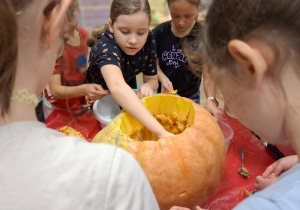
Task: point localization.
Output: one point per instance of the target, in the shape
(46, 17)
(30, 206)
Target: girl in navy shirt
(122, 49)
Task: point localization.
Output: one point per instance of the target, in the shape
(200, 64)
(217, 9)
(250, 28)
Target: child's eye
(141, 34)
(188, 16)
(124, 32)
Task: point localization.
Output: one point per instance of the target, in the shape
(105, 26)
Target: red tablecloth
(85, 123)
(232, 186)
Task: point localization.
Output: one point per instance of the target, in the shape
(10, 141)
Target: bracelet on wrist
(213, 99)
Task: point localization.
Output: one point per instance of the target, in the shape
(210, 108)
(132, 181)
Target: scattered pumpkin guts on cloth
(183, 170)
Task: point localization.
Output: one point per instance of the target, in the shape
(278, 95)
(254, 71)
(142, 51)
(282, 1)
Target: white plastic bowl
(106, 109)
(227, 132)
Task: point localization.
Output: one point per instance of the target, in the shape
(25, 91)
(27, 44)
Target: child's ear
(52, 23)
(110, 25)
(250, 58)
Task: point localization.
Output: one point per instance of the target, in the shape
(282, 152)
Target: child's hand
(274, 170)
(94, 91)
(281, 165)
(166, 86)
(214, 110)
(89, 102)
(145, 90)
(164, 135)
(183, 208)
(261, 183)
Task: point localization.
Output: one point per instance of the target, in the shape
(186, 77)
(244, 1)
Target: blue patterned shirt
(106, 51)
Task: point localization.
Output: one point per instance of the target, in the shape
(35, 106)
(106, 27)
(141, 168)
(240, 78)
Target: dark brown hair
(9, 48)
(120, 7)
(273, 22)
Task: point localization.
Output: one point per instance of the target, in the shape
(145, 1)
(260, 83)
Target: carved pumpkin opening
(174, 114)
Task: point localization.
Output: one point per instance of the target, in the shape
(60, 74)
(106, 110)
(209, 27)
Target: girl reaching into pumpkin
(37, 162)
(122, 49)
(253, 49)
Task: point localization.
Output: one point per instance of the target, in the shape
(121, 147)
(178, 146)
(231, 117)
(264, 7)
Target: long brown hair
(74, 6)
(273, 22)
(120, 7)
(9, 48)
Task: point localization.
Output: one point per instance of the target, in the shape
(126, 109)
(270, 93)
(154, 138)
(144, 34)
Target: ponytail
(8, 54)
(96, 35)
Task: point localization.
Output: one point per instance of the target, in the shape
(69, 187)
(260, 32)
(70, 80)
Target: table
(85, 123)
(231, 187)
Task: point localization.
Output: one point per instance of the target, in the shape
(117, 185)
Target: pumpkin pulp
(174, 114)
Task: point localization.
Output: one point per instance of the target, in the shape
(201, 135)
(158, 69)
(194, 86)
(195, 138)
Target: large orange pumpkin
(183, 170)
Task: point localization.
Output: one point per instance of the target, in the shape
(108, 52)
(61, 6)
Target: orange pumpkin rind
(183, 170)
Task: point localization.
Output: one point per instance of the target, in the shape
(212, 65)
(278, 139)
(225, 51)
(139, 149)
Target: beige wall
(159, 5)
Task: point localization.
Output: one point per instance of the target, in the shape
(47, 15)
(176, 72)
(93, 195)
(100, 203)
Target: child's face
(259, 107)
(73, 23)
(131, 32)
(70, 26)
(183, 15)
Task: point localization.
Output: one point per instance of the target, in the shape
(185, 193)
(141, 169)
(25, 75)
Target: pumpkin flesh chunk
(175, 115)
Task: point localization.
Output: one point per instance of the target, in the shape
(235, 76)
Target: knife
(271, 149)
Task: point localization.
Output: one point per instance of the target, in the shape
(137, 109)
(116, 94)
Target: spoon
(250, 193)
(243, 171)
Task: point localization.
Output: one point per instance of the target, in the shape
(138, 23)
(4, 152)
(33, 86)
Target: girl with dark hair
(253, 49)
